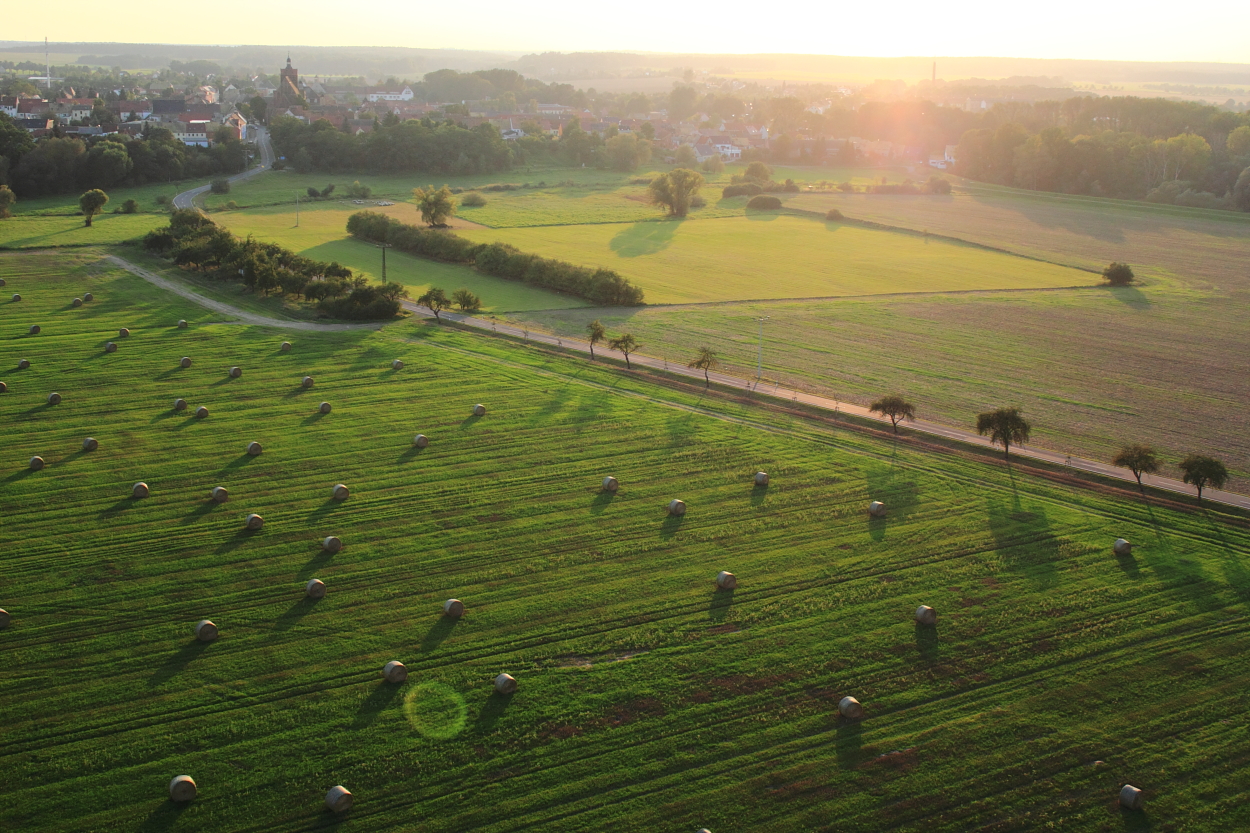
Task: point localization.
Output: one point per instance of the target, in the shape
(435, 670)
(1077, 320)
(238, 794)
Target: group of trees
(193, 241)
(435, 300)
(602, 286)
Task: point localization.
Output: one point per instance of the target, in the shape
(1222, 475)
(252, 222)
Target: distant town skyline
(1098, 29)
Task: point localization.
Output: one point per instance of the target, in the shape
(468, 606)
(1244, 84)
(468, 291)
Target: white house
(406, 94)
(730, 153)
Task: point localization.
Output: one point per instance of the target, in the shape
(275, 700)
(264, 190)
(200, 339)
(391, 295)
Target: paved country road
(187, 198)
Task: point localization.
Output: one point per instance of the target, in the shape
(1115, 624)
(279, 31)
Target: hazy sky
(1147, 30)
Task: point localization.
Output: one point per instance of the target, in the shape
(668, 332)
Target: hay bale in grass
(110, 347)
(479, 410)
(726, 580)
(505, 684)
(140, 490)
(850, 708)
(23, 364)
(926, 615)
(397, 365)
(4, 388)
(185, 361)
(338, 799)
(315, 589)
(182, 323)
(35, 329)
(332, 544)
(36, 463)
(677, 508)
(1131, 798)
(182, 788)
(1123, 547)
(761, 478)
(4, 619)
(340, 492)
(54, 398)
(88, 297)
(76, 303)
(220, 494)
(123, 333)
(610, 484)
(180, 404)
(286, 345)
(255, 521)
(201, 412)
(876, 509)
(253, 448)
(16, 297)
(394, 672)
(90, 444)
(453, 608)
(236, 372)
(306, 382)
(3, 282)
(324, 408)
(205, 631)
(421, 441)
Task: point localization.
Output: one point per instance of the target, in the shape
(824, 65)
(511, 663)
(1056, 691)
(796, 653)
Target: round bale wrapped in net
(324, 408)
(332, 544)
(36, 463)
(926, 615)
(236, 372)
(1131, 798)
(123, 333)
(185, 362)
(220, 494)
(90, 444)
(876, 509)
(5, 618)
(676, 508)
(610, 484)
(338, 799)
(286, 345)
(140, 490)
(23, 364)
(726, 580)
(505, 684)
(340, 492)
(88, 297)
(397, 365)
(315, 589)
(201, 412)
(1122, 547)
(54, 398)
(307, 382)
(394, 672)
(182, 789)
(255, 522)
(453, 608)
(254, 448)
(479, 410)
(420, 441)
(761, 478)
(850, 708)
(76, 303)
(110, 347)
(182, 323)
(35, 329)
(180, 404)
(205, 631)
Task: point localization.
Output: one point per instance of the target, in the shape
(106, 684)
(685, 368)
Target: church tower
(288, 87)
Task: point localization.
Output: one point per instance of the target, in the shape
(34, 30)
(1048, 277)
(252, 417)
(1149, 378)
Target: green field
(39, 231)
(647, 701)
(770, 255)
(145, 195)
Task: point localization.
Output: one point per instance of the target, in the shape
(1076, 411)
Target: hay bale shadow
(168, 373)
(237, 462)
(162, 416)
(602, 501)
(722, 601)
(300, 390)
(470, 421)
(927, 642)
(125, 503)
(20, 474)
(237, 540)
(671, 526)
(178, 663)
(758, 494)
(1135, 821)
(164, 817)
(324, 509)
(315, 418)
(847, 742)
(1128, 564)
(200, 511)
(439, 631)
(411, 452)
(291, 616)
(313, 565)
(494, 708)
(876, 528)
(225, 381)
(38, 409)
(382, 696)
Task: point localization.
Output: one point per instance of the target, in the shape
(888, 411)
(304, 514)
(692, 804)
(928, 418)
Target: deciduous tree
(1118, 274)
(675, 189)
(894, 407)
(1004, 426)
(686, 157)
(436, 205)
(595, 333)
(466, 299)
(1201, 471)
(705, 361)
(625, 344)
(7, 198)
(92, 203)
(435, 300)
(1139, 459)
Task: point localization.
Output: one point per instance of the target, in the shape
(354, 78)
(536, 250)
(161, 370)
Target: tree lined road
(187, 198)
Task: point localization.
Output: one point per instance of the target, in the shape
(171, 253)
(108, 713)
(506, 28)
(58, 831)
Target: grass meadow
(41, 231)
(647, 700)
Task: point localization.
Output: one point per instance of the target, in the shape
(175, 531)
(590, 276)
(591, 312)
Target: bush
(749, 189)
(714, 165)
(466, 300)
(846, 188)
(697, 201)
(313, 193)
(356, 191)
(791, 187)
(232, 206)
(129, 207)
(220, 186)
(162, 200)
(763, 202)
(937, 185)
(640, 180)
(833, 215)
(1118, 274)
(473, 200)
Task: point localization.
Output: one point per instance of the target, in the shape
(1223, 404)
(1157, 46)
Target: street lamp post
(759, 362)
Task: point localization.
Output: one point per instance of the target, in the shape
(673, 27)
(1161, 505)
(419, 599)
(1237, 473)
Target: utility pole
(297, 210)
(759, 363)
(383, 247)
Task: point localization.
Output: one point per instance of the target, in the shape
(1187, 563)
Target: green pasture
(648, 700)
(39, 231)
(771, 255)
(145, 195)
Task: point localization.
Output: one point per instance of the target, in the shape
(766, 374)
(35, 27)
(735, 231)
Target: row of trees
(193, 241)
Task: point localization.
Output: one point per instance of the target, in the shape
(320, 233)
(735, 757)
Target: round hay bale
(726, 580)
(220, 494)
(88, 297)
(236, 372)
(338, 799)
(182, 788)
(201, 412)
(205, 631)
(479, 410)
(182, 323)
(610, 484)
(76, 303)
(505, 684)
(324, 408)
(35, 329)
(421, 441)
(1131, 798)
(1123, 547)
(255, 521)
(110, 347)
(4, 388)
(36, 463)
(180, 404)
(23, 364)
(306, 382)
(397, 365)
(5, 618)
(286, 345)
(140, 490)
(54, 398)
(315, 589)
(394, 672)
(16, 297)
(3, 282)
(123, 333)
(761, 478)
(90, 444)
(926, 615)
(253, 448)
(876, 509)
(340, 492)
(850, 708)
(332, 544)
(185, 361)
(676, 507)
(453, 608)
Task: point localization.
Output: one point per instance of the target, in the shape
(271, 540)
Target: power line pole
(759, 363)
(297, 210)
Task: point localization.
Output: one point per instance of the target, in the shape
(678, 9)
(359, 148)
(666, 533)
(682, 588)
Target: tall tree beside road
(624, 344)
(435, 300)
(894, 407)
(705, 361)
(1139, 459)
(1004, 426)
(1201, 471)
(595, 333)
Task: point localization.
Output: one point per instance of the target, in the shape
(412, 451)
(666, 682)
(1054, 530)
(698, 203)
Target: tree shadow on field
(1025, 540)
(722, 602)
(439, 631)
(1130, 296)
(178, 663)
(1181, 575)
(602, 500)
(848, 741)
(646, 238)
(927, 642)
(494, 708)
(164, 817)
(382, 696)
